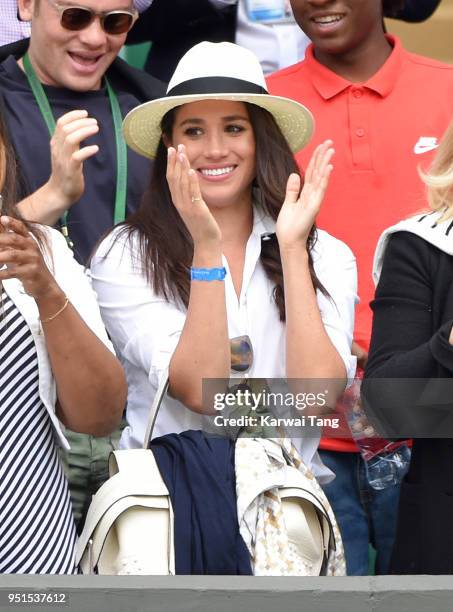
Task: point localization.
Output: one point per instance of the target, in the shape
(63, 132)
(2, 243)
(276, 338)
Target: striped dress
(37, 531)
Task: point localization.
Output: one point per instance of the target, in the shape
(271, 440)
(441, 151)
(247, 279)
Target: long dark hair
(8, 172)
(11, 186)
(166, 247)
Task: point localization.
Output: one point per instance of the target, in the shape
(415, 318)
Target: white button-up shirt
(72, 279)
(145, 328)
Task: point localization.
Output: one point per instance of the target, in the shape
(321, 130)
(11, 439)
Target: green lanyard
(121, 150)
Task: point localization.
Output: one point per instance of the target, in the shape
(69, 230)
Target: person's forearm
(46, 205)
(310, 353)
(203, 350)
(91, 386)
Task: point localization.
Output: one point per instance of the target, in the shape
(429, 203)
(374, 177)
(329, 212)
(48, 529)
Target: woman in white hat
(224, 247)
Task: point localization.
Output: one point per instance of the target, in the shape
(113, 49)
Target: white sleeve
(143, 326)
(73, 280)
(336, 269)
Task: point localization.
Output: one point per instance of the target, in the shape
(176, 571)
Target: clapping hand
(67, 155)
(299, 210)
(186, 196)
(22, 256)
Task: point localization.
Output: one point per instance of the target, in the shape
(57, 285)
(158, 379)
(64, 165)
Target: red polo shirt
(382, 131)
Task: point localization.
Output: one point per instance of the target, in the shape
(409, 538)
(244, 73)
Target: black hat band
(215, 85)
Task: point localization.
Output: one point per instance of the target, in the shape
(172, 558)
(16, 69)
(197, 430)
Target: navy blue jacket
(199, 474)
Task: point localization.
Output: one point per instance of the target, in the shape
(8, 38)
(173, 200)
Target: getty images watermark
(261, 407)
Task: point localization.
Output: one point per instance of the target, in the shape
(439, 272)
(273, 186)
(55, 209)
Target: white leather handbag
(308, 527)
(129, 527)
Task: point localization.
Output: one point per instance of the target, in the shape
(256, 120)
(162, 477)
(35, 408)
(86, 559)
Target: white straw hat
(216, 71)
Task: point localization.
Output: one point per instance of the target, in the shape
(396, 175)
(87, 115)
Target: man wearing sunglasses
(72, 52)
(70, 63)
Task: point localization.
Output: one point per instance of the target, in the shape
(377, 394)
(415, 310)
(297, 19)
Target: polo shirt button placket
(359, 117)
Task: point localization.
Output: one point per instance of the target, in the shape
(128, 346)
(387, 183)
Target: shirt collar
(262, 223)
(328, 84)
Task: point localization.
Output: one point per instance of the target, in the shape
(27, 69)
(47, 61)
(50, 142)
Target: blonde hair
(439, 178)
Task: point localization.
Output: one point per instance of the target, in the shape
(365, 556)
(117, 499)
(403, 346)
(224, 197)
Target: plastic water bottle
(386, 463)
(388, 469)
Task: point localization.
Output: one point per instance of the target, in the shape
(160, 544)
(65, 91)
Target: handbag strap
(158, 398)
(139, 476)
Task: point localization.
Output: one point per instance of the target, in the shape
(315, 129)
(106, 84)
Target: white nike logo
(425, 144)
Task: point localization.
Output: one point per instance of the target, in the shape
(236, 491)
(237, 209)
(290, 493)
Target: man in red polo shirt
(385, 109)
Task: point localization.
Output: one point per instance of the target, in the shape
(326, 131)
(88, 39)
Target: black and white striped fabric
(37, 531)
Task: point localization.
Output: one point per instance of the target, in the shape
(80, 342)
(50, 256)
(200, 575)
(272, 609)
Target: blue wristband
(207, 274)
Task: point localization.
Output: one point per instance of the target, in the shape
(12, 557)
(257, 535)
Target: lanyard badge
(269, 11)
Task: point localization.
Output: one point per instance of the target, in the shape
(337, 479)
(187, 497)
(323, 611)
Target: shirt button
(357, 93)
(360, 132)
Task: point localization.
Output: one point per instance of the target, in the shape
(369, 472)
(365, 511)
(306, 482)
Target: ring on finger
(195, 199)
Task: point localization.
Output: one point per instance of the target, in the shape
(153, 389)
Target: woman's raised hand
(21, 254)
(186, 196)
(300, 208)
(67, 156)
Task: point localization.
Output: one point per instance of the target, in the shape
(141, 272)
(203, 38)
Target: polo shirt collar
(328, 84)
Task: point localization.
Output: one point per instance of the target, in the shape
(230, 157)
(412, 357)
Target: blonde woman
(412, 341)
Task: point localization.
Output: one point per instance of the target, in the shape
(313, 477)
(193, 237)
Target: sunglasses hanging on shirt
(241, 352)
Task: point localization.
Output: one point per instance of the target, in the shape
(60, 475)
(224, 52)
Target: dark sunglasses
(241, 350)
(78, 17)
